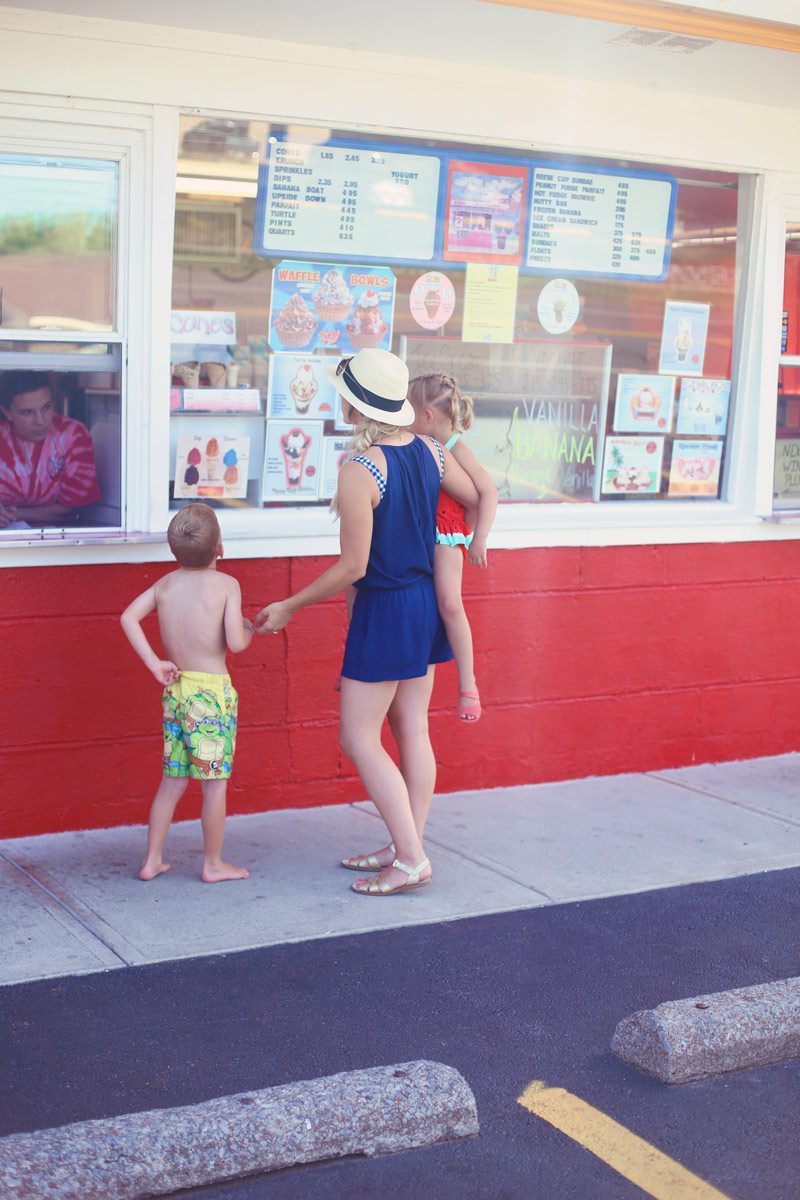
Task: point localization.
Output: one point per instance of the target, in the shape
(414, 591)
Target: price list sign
(594, 223)
(341, 200)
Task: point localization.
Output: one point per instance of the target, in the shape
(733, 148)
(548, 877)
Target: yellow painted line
(629, 1155)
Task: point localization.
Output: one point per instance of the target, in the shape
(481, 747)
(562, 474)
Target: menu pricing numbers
(600, 223)
(325, 200)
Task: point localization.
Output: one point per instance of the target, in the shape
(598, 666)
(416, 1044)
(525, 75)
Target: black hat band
(372, 398)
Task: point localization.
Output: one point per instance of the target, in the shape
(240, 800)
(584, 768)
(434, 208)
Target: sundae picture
(645, 404)
(295, 324)
(632, 465)
(303, 387)
(366, 328)
(294, 446)
(212, 457)
(332, 299)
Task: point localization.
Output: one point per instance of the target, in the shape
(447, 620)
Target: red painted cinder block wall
(590, 662)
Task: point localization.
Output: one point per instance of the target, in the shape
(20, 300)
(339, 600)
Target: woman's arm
(358, 494)
(487, 502)
(43, 514)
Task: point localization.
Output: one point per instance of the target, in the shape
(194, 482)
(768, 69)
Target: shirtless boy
(200, 618)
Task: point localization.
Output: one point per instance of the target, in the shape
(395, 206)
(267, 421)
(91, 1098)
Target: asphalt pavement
(556, 911)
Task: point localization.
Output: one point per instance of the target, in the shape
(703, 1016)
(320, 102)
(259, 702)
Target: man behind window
(46, 460)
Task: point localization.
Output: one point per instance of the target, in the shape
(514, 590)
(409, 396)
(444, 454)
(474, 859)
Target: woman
(386, 499)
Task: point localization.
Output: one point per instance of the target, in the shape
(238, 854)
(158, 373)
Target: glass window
(60, 354)
(58, 229)
(786, 489)
(588, 308)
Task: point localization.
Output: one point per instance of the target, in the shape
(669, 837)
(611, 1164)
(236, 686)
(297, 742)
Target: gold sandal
(373, 886)
(365, 862)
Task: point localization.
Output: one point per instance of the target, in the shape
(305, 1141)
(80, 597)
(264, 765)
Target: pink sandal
(469, 712)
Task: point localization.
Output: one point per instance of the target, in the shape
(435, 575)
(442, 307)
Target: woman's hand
(274, 617)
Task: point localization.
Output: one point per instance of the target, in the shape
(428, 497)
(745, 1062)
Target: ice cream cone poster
(695, 468)
(703, 406)
(299, 387)
(432, 300)
(214, 467)
(333, 452)
(632, 465)
(644, 403)
(292, 460)
(319, 306)
(683, 338)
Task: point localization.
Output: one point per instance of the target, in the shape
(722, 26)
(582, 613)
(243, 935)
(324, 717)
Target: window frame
(146, 138)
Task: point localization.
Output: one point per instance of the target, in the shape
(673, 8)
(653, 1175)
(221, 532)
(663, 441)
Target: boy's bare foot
(223, 871)
(150, 870)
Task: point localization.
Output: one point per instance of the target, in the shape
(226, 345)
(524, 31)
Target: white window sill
(304, 532)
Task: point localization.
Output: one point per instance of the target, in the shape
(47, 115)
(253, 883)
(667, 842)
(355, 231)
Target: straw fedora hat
(375, 382)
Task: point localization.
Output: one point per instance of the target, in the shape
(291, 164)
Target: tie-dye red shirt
(59, 470)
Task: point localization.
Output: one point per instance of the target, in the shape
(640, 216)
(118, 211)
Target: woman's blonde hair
(442, 393)
(365, 434)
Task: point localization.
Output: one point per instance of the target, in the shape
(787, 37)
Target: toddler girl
(444, 414)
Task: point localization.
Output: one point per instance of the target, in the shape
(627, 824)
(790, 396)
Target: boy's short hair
(194, 535)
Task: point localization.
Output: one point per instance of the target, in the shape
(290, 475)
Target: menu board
(587, 222)
(347, 201)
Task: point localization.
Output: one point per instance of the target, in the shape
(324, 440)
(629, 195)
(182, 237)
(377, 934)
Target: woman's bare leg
(213, 822)
(408, 718)
(362, 712)
(162, 811)
(448, 569)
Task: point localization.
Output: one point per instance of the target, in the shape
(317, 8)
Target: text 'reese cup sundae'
(295, 324)
(332, 299)
(367, 327)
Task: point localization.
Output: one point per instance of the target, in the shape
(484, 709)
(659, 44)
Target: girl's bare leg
(408, 718)
(213, 822)
(362, 711)
(448, 568)
(162, 810)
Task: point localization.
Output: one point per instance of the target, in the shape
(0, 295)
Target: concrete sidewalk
(72, 902)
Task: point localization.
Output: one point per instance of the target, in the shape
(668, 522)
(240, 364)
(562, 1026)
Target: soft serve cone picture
(292, 460)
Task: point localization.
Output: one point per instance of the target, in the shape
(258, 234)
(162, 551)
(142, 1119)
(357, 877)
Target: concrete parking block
(380, 1110)
(684, 1040)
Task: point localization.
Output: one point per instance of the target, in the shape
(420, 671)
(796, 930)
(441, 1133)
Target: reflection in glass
(58, 230)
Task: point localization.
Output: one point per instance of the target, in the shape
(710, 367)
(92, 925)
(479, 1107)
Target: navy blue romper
(395, 630)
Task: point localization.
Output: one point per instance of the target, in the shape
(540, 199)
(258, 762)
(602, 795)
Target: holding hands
(273, 618)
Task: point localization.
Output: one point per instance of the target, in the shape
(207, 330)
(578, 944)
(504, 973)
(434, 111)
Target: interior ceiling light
(674, 18)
